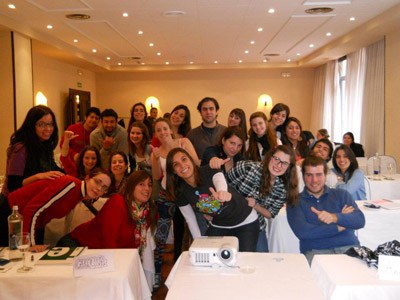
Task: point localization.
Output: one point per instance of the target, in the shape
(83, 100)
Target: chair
(367, 188)
(385, 161)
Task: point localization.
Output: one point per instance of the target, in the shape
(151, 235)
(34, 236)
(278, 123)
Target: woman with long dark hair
(237, 117)
(294, 138)
(139, 147)
(277, 117)
(139, 114)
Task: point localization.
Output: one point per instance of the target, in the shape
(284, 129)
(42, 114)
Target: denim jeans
(338, 250)
(262, 242)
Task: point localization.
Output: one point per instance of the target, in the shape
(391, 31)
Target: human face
(142, 191)
(342, 161)
(97, 185)
(321, 150)
(154, 113)
(234, 120)
(279, 163)
(118, 165)
(89, 160)
(259, 126)
(208, 113)
(183, 166)
(293, 131)
(278, 118)
(162, 131)
(136, 135)
(92, 121)
(109, 124)
(44, 127)
(178, 117)
(139, 113)
(232, 146)
(314, 180)
(347, 140)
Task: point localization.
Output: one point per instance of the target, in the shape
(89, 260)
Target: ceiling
(193, 33)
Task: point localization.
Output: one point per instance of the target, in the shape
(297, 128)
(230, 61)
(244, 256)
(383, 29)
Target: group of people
(222, 180)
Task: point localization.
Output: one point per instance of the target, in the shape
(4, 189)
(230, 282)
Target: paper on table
(387, 204)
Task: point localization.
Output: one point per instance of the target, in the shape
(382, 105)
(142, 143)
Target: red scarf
(139, 215)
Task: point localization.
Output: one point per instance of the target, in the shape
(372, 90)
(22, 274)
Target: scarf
(264, 143)
(139, 215)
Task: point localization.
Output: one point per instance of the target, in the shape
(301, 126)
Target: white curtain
(373, 113)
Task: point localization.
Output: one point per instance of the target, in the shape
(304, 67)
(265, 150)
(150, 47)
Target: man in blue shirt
(325, 219)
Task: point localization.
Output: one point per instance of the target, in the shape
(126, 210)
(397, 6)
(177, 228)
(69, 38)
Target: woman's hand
(38, 248)
(221, 196)
(69, 135)
(217, 163)
(50, 175)
(251, 202)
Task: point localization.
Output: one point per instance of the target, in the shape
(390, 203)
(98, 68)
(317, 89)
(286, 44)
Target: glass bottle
(14, 228)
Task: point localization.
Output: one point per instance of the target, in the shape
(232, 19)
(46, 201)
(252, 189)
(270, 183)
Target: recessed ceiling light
(167, 62)
(215, 61)
(328, 34)
(352, 19)
(125, 14)
(49, 26)
(191, 62)
(158, 53)
(119, 64)
(252, 42)
(140, 32)
(151, 44)
(94, 50)
(77, 17)
(265, 60)
(271, 11)
(259, 29)
(311, 45)
(108, 58)
(240, 61)
(11, 6)
(246, 51)
(75, 40)
(288, 60)
(298, 54)
(142, 63)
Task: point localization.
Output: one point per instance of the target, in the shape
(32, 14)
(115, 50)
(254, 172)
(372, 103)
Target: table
(384, 188)
(357, 282)
(381, 226)
(58, 282)
(260, 276)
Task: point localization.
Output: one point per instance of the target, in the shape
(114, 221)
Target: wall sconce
(40, 99)
(265, 102)
(152, 102)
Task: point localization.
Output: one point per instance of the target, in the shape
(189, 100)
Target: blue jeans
(338, 250)
(262, 242)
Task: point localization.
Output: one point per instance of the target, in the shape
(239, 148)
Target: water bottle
(377, 165)
(14, 228)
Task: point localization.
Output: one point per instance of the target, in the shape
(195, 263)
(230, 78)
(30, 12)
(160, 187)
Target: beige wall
(232, 88)
(392, 92)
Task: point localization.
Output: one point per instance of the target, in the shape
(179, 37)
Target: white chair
(367, 188)
(385, 161)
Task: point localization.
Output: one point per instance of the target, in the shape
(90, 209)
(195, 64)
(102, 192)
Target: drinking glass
(390, 170)
(23, 242)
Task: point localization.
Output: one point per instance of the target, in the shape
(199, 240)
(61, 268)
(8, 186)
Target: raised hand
(69, 135)
(156, 152)
(217, 163)
(221, 196)
(107, 142)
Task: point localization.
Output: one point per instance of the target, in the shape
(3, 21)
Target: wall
(392, 92)
(232, 88)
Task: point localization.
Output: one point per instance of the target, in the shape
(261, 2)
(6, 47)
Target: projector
(212, 251)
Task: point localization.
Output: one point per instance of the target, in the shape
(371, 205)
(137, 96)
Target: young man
(109, 137)
(325, 219)
(209, 132)
(83, 130)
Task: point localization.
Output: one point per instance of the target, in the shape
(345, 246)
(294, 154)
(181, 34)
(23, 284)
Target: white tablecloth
(381, 226)
(342, 277)
(260, 276)
(384, 188)
(58, 282)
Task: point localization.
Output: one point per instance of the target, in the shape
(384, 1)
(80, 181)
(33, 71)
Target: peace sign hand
(221, 196)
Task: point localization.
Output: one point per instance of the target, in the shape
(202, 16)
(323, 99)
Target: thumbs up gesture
(217, 163)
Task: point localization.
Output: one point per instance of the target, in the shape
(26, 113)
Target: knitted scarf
(139, 215)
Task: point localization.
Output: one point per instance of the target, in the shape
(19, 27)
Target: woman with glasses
(44, 200)
(29, 158)
(267, 185)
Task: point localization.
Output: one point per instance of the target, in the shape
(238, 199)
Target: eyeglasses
(43, 125)
(278, 161)
(100, 185)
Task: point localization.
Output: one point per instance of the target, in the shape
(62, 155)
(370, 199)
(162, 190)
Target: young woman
(30, 157)
(277, 117)
(44, 200)
(88, 159)
(205, 190)
(267, 185)
(166, 208)
(261, 137)
(228, 152)
(237, 117)
(348, 140)
(119, 171)
(139, 113)
(346, 167)
(139, 147)
(293, 137)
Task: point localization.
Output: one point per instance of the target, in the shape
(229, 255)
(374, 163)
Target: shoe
(157, 281)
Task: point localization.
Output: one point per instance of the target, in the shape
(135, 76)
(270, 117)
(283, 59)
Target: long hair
(241, 114)
(133, 180)
(350, 155)
(36, 149)
(278, 108)
(159, 120)
(113, 188)
(81, 168)
(173, 180)
(146, 137)
(186, 125)
(289, 178)
(253, 152)
(233, 131)
(302, 143)
(145, 120)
